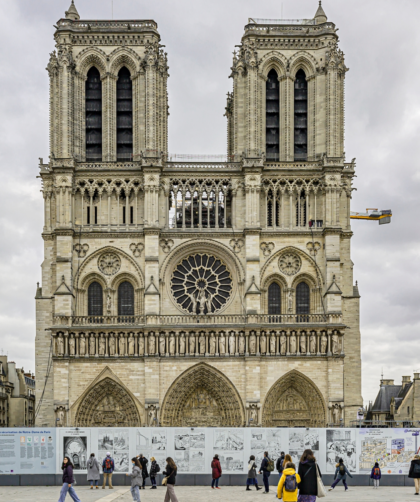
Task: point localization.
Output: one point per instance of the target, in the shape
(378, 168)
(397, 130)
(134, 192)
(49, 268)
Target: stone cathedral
(197, 293)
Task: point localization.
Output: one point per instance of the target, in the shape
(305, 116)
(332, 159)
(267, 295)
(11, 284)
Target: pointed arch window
(124, 115)
(302, 299)
(274, 299)
(125, 299)
(272, 116)
(95, 299)
(93, 115)
(301, 116)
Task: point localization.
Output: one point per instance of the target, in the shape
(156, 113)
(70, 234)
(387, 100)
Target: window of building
(96, 215)
(301, 209)
(274, 299)
(88, 215)
(93, 115)
(124, 219)
(302, 298)
(272, 117)
(301, 116)
(95, 299)
(124, 115)
(131, 214)
(125, 299)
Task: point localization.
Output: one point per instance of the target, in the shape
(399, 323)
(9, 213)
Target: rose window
(109, 263)
(201, 284)
(290, 263)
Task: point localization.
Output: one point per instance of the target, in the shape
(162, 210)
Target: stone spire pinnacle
(72, 12)
(320, 16)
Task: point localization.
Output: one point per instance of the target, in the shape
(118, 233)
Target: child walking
(376, 475)
(287, 489)
(252, 474)
(340, 475)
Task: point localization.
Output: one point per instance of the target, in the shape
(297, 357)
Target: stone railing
(146, 25)
(229, 166)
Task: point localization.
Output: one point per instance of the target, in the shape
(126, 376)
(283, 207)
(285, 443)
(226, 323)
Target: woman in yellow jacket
(285, 484)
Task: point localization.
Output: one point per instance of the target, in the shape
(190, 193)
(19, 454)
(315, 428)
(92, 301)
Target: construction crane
(383, 216)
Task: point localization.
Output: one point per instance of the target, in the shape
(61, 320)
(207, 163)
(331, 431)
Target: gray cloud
(380, 39)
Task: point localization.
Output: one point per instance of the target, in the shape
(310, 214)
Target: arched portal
(294, 401)
(107, 404)
(202, 396)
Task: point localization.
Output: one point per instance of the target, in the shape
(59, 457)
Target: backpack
(416, 469)
(157, 467)
(341, 469)
(270, 465)
(376, 471)
(290, 484)
(108, 463)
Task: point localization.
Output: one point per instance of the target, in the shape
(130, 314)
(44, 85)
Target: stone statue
(290, 302)
(121, 346)
(108, 304)
(152, 343)
(312, 344)
(232, 344)
(72, 346)
(209, 303)
(111, 345)
(252, 344)
(253, 414)
(241, 344)
(212, 344)
(172, 344)
(273, 343)
(283, 344)
(193, 303)
(101, 346)
(192, 344)
(303, 344)
(82, 345)
(182, 344)
(335, 344)
(92, 346)
(202, 344)
(222, 349)
(324, 343)
(141, 345)
(336, 413)
(263, 344)
(152, 412)
(61, 415)
(202, 300)
(60, 346)
(131, 345)
(162, 345)
(293, 344)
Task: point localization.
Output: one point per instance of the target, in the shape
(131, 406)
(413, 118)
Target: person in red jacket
(216, 472)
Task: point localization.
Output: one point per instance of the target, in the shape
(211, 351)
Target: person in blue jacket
(341, 473)
(376, 475)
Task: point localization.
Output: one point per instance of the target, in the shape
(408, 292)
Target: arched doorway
(202, 396)
(294, 401)
(107, 404)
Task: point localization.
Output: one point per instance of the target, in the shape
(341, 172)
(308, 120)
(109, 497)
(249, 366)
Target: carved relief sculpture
(111, 345)
(232, 344)
(263, 344)
(303, 343)
(212, 344)
(241, 344)
(101, 346)
(290, 263)
(182, 344)
(335, 344)
(152, 415)
(162, 345)
(152, 344)
(60, 346)
(202, 344)
(252, 344)
(222, 349)
(108, 304)
(141, 345)
(131, 345)
(109, 263)
(72, 346)
(293, 344)
(283, 343)
(172, 344)
(273, 343)
(312, 343)
(324, 343)
(82, 345)
(91, 345)
(121, 345)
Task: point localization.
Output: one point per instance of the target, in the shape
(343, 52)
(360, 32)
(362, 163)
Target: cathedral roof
(383, 399)
(320, 15)
(72, 12)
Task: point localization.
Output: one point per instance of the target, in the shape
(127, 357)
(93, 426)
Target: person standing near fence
(252, 474)
(279, 464)
(340, 475)
(93, 471)
(154, 469)
(376, 475)
(169, 480)
(414, 472)
(266, 468)
(216, 472)
(143, 462)
(68, 481)
(108, 467)
(307, 470)
(136, 479)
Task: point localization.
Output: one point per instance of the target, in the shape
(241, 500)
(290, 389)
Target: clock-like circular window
(201, 284)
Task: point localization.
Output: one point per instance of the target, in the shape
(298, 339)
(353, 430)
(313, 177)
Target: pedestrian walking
(267, 466)
(143, 462)
(68, 481)
(136, 479)
(93, 471)
(154, 469)
(287, 488)
(108, 467)
(376, 475)
(216, 472)
(279, 464)
(169, 480)
(307, 470)
(252, 474)
(414, 472)
(340, 475)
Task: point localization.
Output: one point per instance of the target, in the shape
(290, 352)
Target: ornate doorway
(202, 397)
(107, 404)
(294, 401)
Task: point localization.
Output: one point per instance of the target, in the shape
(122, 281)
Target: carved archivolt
(107, 404)
(294, 401)
(202, 396)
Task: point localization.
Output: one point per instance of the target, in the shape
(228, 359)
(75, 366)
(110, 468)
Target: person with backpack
(376, 475)
(136, 480)
(216, 472)
(414, 472)
(154, 469)
(279, 464)
(308, 471)
(143, 462)
(287, 488)
(68, 481)
(267, 467)
(108, 467)
(340, 475)
(252, 474)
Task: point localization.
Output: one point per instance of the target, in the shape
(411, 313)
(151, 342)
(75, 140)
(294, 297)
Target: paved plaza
(197, 494)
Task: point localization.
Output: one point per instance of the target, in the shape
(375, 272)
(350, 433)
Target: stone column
(96, 345)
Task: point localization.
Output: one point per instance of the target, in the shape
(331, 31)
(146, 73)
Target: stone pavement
(198, 494)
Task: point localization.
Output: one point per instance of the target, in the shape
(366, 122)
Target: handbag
(319, 484)
(164, 481)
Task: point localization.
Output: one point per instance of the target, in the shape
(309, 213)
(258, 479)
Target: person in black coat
(265, 472)
(170, 474)
(414, 472)
(68, 481)
(143, 462)
(307, 471)
(279, 463)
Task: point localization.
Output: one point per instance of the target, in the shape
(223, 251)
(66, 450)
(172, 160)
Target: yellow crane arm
(383, 216)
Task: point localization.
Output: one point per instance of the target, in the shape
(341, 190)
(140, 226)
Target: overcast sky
(381, 40)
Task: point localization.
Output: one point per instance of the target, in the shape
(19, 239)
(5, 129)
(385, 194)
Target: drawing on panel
(182, 460)
(302, 440)
(158, 440)
(197, 461)
(274, 443)
(143, 441)
(197, 440)
(105, 440)
(229, 440)
(341, 444)
(182, 441)
(232, 462)
(397, 446)
(76, 449)
(121, 461)
(258, 440)
(121, 440)
(373, 450)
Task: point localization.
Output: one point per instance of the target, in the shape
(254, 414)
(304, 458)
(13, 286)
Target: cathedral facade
(181, 293)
